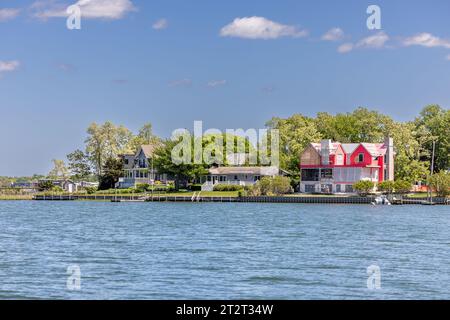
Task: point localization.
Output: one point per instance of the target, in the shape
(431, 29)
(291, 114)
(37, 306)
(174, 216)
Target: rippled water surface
(223, 251)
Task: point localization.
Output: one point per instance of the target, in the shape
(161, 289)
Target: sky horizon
(229, 64)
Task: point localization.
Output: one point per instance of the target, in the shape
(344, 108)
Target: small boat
(381, 200)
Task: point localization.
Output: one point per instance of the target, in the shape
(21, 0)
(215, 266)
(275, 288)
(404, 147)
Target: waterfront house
(333, 167)
(138, 168)
(237, 172)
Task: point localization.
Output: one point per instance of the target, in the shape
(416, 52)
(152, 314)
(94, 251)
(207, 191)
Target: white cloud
(426, 40)
(377, 41)
(90, 9)
(260, 28)
(216, 83)
(346, 47)
(181, 83)
(8, 66)
(161, 24)
(335, 34)
(8, 14)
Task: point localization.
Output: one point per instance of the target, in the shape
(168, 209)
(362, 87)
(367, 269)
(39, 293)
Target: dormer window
(360, 157)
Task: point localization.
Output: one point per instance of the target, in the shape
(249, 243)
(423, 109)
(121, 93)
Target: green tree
(402, 186)
(296, 132)
(387, 187)
(440, 182)
(181, 172)
(364, 187)
(434, 124)
(361, 125)
(45, 185)
(408, 152)
(79, 164)
(144, 137)
(281, 185)
(59, 170)
(105, 142)
(112, 170)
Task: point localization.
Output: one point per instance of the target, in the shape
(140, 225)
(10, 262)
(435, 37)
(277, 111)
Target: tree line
(413, 140)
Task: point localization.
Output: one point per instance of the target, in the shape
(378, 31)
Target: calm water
(223, 251)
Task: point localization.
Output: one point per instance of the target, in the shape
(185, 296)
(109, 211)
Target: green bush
(142, 187)
(440, 182)
(402, 186)
(90, 190)
(268, 186)
(387, 187)
(363, 187)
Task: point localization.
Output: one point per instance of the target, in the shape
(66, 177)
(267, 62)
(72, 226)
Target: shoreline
(261, 199)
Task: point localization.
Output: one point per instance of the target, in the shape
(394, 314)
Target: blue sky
(232, 64)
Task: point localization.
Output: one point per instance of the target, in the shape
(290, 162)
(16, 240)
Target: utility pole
(432, 171)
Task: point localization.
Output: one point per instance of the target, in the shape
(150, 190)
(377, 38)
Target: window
(338, 188)
(126, 161)
(326, 188)
(349, 188)
(235, 177)
(326, 174)
(310, 174)
(309, 188)
(257, 178)
(361, 157)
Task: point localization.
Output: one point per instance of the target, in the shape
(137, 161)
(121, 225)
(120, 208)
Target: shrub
(90, 190)
(402, 186)
(142, 187)
(268, 186)
(228, 187)
(45, 185)
(387, 187)
(440, 182)
(281, 185)
(363, 187)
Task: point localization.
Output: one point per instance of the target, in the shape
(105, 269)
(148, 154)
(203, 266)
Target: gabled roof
(147, 149)
(349, 148)
(333, 149)
(375, 149)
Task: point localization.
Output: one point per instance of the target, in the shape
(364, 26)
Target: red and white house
(333, 167)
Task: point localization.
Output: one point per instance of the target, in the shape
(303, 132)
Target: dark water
(223, 251)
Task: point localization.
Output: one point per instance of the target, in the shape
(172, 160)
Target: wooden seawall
(168, 198)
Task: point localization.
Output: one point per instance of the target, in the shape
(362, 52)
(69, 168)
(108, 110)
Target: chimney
(325, 147)
(389, 163)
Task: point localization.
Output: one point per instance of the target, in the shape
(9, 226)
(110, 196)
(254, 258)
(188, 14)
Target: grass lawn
(15, 197)
(420, 195)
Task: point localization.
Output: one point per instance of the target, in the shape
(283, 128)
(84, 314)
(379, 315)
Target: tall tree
(112, 170)
(434, 123)
(361, 125)
(106, 141)
(408, 151)
(145, 136)
(181, 172)
(79, 164)
(296, 132)
(59, 170)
